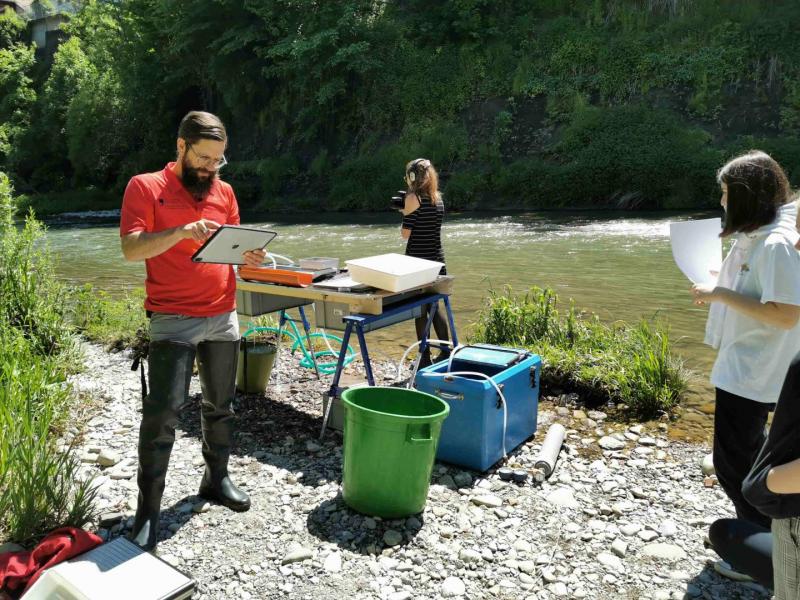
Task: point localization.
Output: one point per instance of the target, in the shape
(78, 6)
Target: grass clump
(39, 485)
(117, 322)
(624, 364)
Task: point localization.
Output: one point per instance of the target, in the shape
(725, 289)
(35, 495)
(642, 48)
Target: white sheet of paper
(697, 248)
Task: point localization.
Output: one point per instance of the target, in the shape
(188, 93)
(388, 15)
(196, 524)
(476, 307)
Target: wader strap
(138, 363)
(244, 387)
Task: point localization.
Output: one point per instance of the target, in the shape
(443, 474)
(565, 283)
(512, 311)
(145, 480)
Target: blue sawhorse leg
(365, 323)
(362, 342)
(334, 390)
(450, 320)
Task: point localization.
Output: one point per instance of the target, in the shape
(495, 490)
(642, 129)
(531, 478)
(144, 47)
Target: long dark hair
(757, 186)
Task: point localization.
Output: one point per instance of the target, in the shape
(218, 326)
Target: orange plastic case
(278, 276)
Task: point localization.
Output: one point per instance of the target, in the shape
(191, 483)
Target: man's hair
(757, 187)
(198, 125)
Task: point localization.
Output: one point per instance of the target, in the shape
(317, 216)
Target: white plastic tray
(394, 272)
(118, 570)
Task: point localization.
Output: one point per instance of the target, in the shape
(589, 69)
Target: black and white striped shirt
(425, 224)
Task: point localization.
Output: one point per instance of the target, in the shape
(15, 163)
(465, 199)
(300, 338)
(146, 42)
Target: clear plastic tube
(414, 368)
(272, 257)
(449, 373)
(324, 336)
(490, 380)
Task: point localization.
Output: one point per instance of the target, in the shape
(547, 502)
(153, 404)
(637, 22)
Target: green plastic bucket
(260, 358)
(390, 439)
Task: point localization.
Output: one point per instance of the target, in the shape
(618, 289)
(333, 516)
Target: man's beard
(197, 186)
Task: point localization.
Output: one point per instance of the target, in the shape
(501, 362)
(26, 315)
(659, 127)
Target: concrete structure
(44, 21)
(19, 7)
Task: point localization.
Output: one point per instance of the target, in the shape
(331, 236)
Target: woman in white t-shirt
(753, 320)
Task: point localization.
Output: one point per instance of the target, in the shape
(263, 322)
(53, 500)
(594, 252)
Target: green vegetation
(38, 491)
(118, 323)
(55, 203)
(631, 365)
(548, 103)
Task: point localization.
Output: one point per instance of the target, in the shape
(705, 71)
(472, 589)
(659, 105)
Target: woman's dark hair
(757, 186)
(198, 125)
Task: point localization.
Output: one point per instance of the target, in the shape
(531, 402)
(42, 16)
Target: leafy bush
(466, 189)
(38, 491)
(261, 180)
(45, 142)
(328, 101)
(635, 156)
(367, 181)
(12, 27)
(32, 300)
(534, 181)
(17, 97)
(78, 200)
(38, 487)
(786, 150)
(630, 365)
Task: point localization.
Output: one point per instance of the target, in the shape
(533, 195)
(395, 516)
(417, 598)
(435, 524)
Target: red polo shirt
(154, 202)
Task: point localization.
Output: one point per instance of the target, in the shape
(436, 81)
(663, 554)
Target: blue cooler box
(472, 435)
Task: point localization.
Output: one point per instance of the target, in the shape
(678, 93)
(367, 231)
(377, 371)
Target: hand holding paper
(697, 248)
(705, 293)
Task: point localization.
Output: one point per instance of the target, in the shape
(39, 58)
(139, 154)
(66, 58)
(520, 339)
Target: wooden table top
(370, 303)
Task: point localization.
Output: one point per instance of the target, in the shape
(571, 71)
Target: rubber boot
(170, 371)
(425, 359)
(216, 363)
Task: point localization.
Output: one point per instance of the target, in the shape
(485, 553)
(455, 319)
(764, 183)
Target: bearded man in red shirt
(166, 216)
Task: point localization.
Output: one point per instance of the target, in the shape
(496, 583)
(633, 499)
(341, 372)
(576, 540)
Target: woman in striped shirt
(423, 214)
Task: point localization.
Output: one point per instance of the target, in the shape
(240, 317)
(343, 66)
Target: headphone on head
(416, 169)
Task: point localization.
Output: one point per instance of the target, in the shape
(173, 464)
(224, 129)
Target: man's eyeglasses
(208, 161)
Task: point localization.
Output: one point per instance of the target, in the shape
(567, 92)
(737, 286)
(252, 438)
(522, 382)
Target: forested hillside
(544, 103)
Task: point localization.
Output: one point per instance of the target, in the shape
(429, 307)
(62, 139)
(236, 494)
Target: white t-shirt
(754, 357)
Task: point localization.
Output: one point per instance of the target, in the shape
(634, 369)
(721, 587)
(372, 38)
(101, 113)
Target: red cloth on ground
(21, 569)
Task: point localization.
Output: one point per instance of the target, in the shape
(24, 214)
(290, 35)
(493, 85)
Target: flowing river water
(619, 266)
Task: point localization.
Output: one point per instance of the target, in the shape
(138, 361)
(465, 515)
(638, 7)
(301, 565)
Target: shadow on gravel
(276, 433)
(333, 521)
(280, 434)
(179, 515)
(710, 584)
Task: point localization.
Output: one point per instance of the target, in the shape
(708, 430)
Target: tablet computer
(228, 243)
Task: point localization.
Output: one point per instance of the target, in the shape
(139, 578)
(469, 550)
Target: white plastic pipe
(551, 447)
